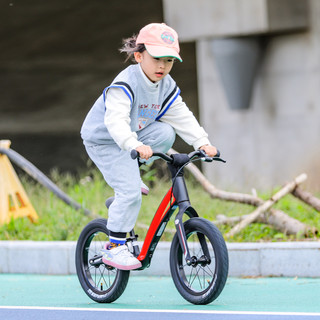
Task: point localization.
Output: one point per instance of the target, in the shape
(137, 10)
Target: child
(142, 109)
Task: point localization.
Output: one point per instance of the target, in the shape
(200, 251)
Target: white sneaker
(144, 188)
(120, 258)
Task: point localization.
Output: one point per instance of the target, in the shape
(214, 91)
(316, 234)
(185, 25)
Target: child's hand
(145, 152)
(211, 151)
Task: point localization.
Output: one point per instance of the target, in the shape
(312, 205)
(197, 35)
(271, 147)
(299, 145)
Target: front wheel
(100, 282)
(202, 280)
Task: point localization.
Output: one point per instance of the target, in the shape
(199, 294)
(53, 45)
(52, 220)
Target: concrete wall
(207, 18)
(278, 136)
(55, 60)
(282, 259)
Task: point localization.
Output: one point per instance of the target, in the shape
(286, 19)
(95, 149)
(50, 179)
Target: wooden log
(286, 224)
(276, 218)
(231, 221)
(289, 187)
(307, 197)
(222, 219)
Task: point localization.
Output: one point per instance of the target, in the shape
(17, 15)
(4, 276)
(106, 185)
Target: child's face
(154, 68)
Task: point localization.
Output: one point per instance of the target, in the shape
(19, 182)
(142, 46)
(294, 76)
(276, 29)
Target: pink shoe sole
(120, 267)
(144, 191)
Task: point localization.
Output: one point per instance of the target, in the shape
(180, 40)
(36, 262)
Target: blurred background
(251, 75)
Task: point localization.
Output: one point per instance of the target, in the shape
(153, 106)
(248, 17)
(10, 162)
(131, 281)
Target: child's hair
(130, 47)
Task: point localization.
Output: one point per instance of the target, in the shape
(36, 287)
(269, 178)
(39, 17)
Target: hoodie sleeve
(117, 119)
(185, 124)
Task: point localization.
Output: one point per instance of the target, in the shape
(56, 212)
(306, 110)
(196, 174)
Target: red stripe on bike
(164, 207)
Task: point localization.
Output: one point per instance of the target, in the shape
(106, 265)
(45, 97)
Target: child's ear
(138, 56)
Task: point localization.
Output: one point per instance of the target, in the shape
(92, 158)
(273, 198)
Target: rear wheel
(100, 282)
(202, 280)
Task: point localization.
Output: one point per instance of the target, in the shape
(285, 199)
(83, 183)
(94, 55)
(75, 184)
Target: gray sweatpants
(122, 173)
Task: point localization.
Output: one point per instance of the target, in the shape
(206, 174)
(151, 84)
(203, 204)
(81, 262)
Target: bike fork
(186, 208)
(181, 232)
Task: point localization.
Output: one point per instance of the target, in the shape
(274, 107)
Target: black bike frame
(176, 197)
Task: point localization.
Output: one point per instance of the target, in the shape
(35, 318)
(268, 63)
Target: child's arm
(117, 119)
(187, 127)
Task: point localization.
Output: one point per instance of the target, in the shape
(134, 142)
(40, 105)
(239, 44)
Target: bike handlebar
(200, 154)
(135, 155)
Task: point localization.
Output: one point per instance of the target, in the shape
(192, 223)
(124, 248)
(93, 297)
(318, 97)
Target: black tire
(202, 282)
(101, 283)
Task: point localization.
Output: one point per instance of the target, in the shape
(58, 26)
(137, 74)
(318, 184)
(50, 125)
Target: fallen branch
(307, 197)
(222, 219)
(276, 218)
(286, 224)
(231, 221)
(289, 187)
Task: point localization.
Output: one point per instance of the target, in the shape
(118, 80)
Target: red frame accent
(164, 207)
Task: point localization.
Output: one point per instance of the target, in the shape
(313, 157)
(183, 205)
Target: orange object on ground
(14, 202)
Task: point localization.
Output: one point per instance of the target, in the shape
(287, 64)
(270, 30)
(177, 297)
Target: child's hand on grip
(211, 151)
(145, 152)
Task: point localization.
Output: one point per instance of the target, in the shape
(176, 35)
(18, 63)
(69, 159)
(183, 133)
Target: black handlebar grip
(134, 154)
(218, 154)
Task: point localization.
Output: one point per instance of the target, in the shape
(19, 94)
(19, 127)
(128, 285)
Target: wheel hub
(203, 261)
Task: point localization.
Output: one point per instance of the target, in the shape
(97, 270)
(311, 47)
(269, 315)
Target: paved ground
(255, 298)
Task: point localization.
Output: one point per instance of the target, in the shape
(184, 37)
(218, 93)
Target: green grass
(58, 221)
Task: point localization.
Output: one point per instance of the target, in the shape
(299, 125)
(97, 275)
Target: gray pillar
(237, 60)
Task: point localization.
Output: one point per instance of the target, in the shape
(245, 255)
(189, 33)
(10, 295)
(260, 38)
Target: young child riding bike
(141, 109)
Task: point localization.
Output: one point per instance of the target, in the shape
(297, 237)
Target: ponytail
(130, 47)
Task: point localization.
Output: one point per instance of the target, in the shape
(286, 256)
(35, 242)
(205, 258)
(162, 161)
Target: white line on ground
(166, 311)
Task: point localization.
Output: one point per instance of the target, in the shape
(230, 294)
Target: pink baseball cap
(160, 40)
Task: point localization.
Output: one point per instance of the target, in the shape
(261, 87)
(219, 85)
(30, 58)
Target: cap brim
(161, 52)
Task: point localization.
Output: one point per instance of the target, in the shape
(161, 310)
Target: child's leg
(159, 136)
(122, 174)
